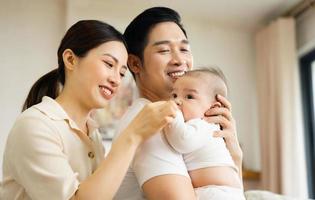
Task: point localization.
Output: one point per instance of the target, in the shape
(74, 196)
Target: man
(159, 53)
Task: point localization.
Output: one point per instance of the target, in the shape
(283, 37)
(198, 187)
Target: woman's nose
(114, 80)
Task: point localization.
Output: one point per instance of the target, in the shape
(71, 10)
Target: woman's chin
(102, 102)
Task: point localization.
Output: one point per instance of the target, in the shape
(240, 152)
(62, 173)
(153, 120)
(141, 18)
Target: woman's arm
(104, 182)
(223, 116)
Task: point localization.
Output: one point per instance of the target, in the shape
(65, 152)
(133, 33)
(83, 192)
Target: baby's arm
(189, 136)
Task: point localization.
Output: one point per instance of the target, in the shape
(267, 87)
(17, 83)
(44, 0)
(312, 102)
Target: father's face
(166, 57)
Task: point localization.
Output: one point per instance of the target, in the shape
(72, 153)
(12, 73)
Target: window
(307, 70)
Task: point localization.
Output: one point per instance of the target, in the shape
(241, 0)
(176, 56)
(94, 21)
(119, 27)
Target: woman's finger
(169, 109)
(168, 119)
(164, 112)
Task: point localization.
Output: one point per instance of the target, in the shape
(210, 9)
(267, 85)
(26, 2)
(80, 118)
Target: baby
(209, 163)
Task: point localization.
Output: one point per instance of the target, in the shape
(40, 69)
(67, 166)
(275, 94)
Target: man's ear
(69, 59)
(134, 63)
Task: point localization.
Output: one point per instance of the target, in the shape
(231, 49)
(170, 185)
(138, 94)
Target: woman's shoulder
(44, 113)
(32, 116)
(31, 130)
(32, 122)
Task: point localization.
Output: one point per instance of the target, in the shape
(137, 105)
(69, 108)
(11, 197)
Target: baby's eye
(189, 96)
(174, 96)
(122, 75)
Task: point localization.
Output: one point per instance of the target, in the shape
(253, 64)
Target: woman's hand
(151, 119)
(221, 114)
(105, 181)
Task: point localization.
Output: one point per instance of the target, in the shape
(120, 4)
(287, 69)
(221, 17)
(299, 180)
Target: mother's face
(166, 56)
(96, 77)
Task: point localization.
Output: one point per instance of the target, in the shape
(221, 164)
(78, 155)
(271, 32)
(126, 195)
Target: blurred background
(265, 48)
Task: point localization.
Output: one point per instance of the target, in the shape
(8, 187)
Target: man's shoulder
(130, 113)
(135, 107)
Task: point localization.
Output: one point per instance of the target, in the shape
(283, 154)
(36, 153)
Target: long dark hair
(80, 38)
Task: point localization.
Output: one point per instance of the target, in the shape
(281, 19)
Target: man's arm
(223, 115)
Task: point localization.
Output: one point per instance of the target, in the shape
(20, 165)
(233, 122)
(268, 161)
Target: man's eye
(184, 50)
(163, 51)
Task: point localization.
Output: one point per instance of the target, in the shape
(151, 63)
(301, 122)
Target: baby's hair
(211, 71)
(208, 70)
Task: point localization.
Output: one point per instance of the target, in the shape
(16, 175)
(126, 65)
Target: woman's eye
(110, 65)
(122, 75)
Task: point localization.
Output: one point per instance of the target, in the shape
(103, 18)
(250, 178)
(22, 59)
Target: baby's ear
(134, 63)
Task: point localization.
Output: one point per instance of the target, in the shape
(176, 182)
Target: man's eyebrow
(161, 42)
(184, 41)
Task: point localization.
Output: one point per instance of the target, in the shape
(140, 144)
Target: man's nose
(177, 59)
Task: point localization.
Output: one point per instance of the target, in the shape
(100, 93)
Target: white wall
(305, 28)
(29, 38)
(230, 48)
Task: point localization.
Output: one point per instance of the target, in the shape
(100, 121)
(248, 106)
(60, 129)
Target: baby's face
(192, 97)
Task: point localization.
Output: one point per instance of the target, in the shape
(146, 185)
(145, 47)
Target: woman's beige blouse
(47, 156)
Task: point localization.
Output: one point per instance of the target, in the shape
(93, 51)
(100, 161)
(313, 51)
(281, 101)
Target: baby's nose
(178, 102)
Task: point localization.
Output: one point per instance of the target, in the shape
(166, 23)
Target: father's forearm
(236, 153)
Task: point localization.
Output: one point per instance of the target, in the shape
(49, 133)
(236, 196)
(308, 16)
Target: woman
(54, 150)
(159, 53)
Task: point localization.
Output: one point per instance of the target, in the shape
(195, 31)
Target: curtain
(280, 110)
